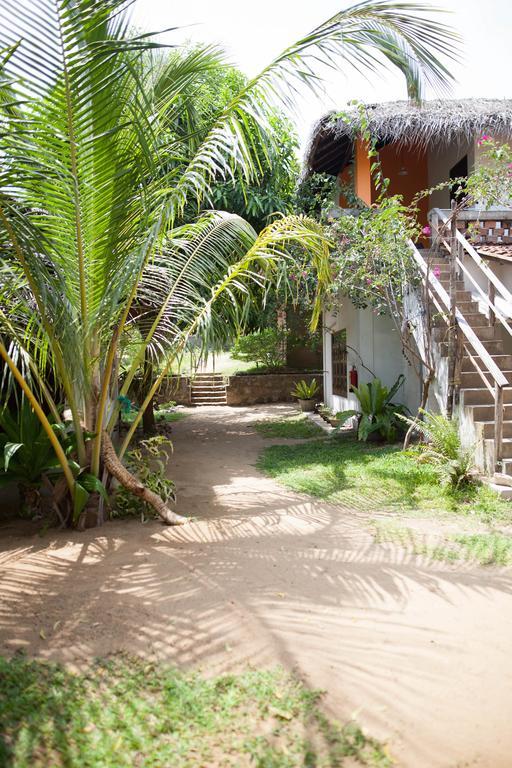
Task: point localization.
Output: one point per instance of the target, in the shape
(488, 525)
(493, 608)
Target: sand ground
(419, 652)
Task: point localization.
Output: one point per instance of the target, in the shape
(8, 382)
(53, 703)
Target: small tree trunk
(148, 417)
(132, 484)
(424, 399)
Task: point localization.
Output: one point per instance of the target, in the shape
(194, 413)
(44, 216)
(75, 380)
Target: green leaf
(93, 484)
(9, 450)
(80, 500)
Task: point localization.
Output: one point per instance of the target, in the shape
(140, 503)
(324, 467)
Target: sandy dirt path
(419, 652)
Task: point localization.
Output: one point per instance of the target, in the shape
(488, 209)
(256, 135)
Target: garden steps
(208, 389)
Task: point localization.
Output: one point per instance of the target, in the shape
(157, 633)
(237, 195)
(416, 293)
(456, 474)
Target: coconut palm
(99, 162)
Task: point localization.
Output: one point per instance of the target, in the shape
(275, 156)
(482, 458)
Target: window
(339, 363)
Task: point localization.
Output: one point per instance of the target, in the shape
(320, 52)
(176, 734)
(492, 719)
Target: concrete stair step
(472, 379)
(199, 405)
(493, 347)
(482, 396)
(504, 363)
(505, 491)
(486, 412)
(468, 307)
(489, 429)
(484, 333)
(507, 447)
(208, 388)
(475, 319)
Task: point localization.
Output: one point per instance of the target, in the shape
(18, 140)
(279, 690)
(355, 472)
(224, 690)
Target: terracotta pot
(307, 405)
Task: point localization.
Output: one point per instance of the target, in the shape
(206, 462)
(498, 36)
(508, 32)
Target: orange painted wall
(362, 178)
(414, 161)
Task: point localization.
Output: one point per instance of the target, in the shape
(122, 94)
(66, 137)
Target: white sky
(253, 33)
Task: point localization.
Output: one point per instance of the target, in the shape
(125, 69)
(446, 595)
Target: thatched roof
(434, 122)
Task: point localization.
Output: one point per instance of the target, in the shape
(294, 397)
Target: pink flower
(368, 281)
(426, 231)
(437, 272)
(483, 139)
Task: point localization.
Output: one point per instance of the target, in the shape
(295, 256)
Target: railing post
(498, 425)
(435, 231)
(452, 330)
(491, 295)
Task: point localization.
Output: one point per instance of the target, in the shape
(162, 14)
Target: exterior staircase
(208, 389)
(478, 307)
(475, 397)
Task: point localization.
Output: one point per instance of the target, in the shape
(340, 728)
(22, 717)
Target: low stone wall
(175, 388)
(243, 389)
(267, 387)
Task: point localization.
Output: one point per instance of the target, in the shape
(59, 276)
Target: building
(421, 147)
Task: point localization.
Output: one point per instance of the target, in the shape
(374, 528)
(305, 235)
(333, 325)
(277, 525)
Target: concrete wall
(267, 387)
(375, 350)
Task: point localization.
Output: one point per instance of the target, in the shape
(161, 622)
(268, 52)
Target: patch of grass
(293, 427)
(127, 713)
(370, 477)
(161, 414)
(488, 548)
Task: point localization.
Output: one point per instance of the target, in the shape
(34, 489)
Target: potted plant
(378, 417)
(305, 394)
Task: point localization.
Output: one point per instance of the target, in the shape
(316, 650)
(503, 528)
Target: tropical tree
(93, 188)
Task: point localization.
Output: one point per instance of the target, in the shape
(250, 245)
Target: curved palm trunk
(130, 482)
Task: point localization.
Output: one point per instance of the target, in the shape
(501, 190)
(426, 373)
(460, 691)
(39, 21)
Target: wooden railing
(445, 303)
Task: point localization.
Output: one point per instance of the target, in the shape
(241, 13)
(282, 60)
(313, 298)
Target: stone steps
(208, 389)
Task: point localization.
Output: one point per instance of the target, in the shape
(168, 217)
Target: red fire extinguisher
(354, 378)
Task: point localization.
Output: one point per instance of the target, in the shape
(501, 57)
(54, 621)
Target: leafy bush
(305, 391)
(148, 462)
(263, 347)
(443, 449)
(377, 414)
(29, 460)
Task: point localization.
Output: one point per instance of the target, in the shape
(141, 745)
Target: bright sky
(253, 33)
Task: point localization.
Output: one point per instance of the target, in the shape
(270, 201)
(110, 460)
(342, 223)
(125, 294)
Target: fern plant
(442, 447)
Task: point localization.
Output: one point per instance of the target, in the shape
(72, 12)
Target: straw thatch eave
(440, 122)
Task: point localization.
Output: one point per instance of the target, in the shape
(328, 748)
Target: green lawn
(126, 713)
(370, 477)
(294, 427)
(488, 548)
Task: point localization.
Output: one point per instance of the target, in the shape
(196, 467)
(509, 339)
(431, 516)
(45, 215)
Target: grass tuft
(487, 548)
(369, 477)
(128, 712)
(294, 427)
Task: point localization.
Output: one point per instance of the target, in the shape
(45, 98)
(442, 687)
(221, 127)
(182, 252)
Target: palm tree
(98, 166)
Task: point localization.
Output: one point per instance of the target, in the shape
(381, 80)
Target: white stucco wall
(440, 160)
(374, 348)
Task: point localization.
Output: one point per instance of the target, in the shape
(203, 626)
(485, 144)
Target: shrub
(148, 462)
(265, 347)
